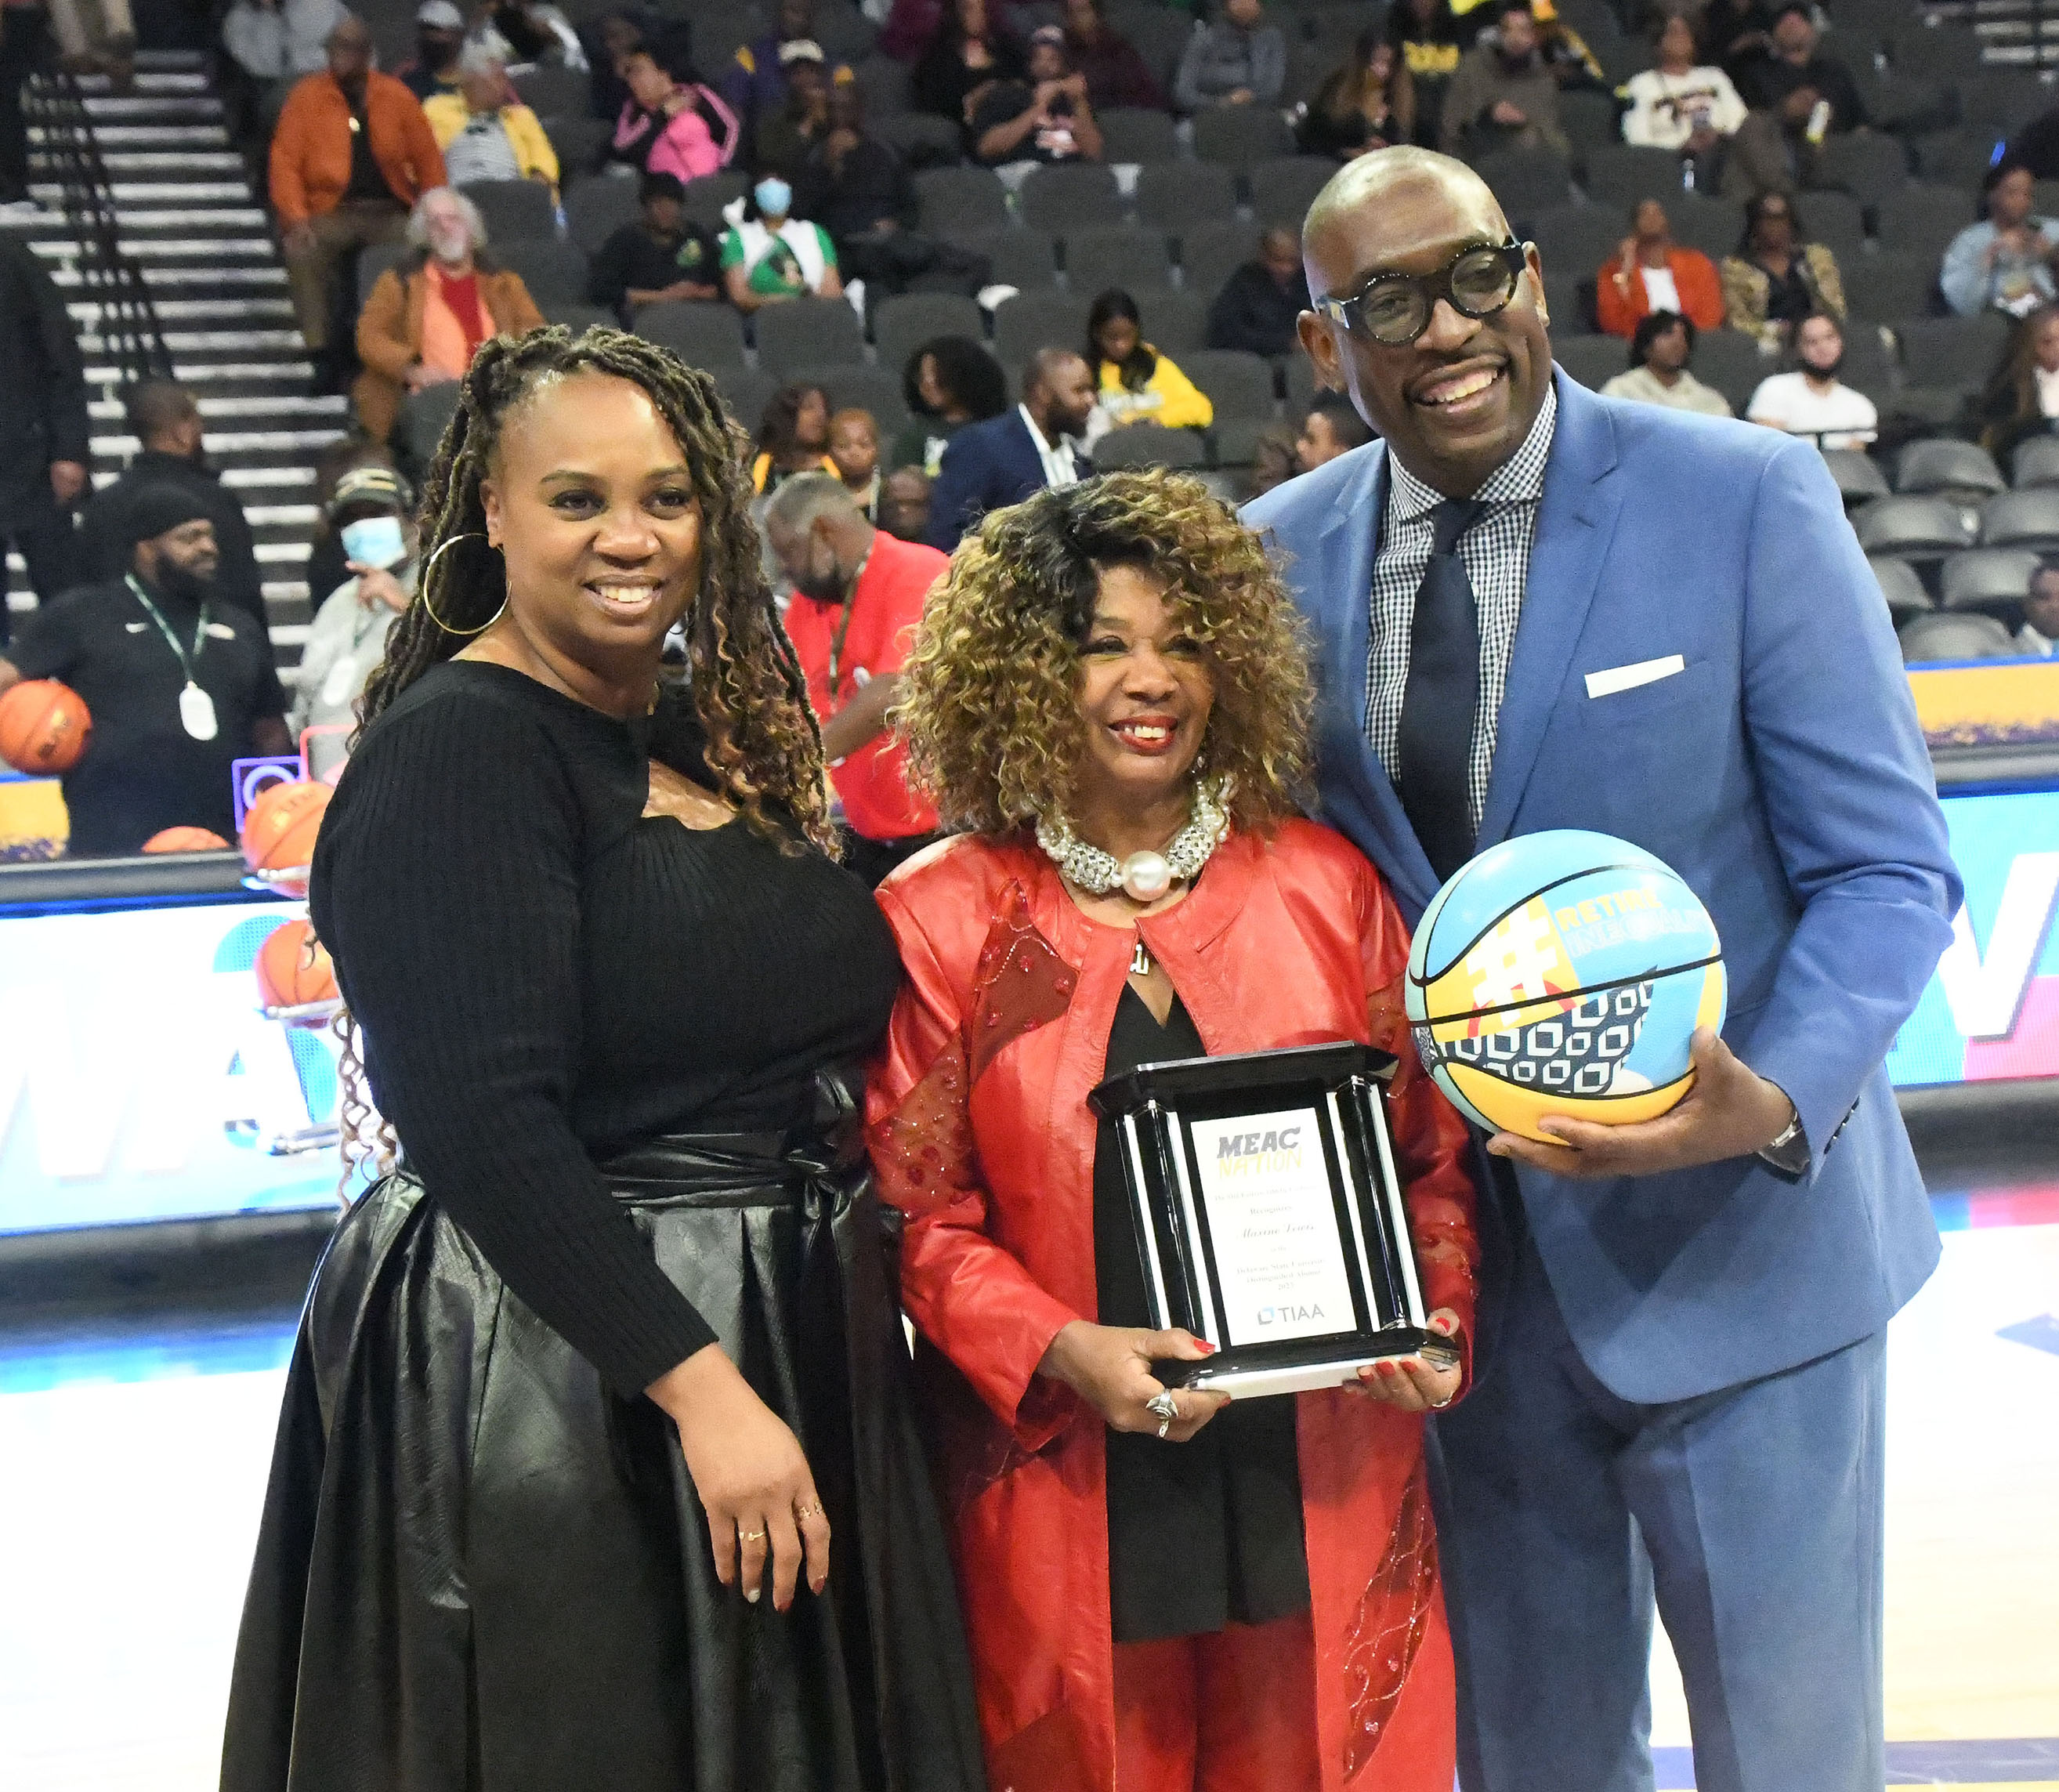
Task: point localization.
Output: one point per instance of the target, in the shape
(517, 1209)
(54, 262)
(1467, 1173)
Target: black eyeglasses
(1393, 310)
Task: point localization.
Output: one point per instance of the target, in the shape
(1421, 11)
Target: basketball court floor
(132, 1455)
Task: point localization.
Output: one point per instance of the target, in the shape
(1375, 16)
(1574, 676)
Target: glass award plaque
(1268, 1215)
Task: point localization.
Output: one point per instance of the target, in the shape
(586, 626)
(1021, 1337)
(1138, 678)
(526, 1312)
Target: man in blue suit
(1535, 608)
(990, 465)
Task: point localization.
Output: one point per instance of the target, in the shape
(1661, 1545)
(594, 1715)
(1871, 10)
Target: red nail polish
(1207, 1349)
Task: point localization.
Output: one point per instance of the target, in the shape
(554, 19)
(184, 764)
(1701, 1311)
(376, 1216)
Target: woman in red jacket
(1652, 273)
(1108, 690)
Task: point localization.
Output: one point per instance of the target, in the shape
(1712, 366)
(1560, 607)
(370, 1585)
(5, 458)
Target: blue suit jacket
(1781, 774)
(987, 467)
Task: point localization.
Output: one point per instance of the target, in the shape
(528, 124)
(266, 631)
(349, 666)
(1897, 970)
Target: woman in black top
(614, 1354)
(965, 57)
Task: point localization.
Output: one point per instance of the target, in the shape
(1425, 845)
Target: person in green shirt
(775, 256)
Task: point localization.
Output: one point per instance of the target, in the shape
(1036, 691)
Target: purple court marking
(2040, 1333)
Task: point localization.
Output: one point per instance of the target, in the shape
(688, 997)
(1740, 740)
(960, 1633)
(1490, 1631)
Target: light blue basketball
(1564, 973)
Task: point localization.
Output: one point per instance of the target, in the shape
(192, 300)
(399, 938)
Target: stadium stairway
(187, 217)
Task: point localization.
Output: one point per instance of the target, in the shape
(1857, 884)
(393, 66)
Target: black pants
(49, 542)
(24, 31)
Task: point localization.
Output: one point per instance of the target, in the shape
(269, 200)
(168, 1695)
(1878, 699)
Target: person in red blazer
(1652, 273)
(1238, 1595)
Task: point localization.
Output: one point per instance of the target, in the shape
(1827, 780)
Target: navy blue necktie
(1433, 762)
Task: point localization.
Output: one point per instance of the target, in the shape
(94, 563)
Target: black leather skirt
(479, 1569)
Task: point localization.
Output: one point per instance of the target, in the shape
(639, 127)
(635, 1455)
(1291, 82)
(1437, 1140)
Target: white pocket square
(1628, 677)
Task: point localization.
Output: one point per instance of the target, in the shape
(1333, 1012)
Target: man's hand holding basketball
(1730, 1112)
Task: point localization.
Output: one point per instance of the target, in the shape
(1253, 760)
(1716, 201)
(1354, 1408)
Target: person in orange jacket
(352, 154)
(1652, 273)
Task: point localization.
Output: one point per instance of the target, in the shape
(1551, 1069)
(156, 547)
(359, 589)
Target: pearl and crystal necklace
(1144, 877)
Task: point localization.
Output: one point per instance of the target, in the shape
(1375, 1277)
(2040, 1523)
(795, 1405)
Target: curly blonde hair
(990, 697)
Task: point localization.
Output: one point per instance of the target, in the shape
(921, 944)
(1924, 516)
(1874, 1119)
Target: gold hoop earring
(422, 589)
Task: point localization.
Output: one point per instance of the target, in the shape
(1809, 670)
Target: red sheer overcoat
(981, 1132)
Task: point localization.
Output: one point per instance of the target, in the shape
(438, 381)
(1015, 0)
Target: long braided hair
(763, 747)
(743, 681)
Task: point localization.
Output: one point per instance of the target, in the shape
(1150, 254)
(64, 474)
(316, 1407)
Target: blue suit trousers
(1752, 1514)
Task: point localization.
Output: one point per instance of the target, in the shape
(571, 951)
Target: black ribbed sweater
(544, 975)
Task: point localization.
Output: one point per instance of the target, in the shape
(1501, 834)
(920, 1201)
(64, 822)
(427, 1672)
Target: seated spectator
(2021, 397)
(1116, 74)
(1045, 118)
(439, 43)
(1739, 33)
(1797, 97)
(2039, 634)
(1274, 460)
(663, 255)
(168, 725)
(909, 29)
(281, 40)
(1034, 446)
(425, 320)
(1239, 60)
(949, 382)
(967, 55)
(1573, 66)
(904, 503)
(2005, 262)
(783, 136)
(793, 437)
(759, 82)
(1503, 97)
(1429, 42)
(1137, 384)
(608, 40)
(1331, 427)
(672, 122)
(1260, 306)
(1811, 400)
(854, 444)
(485, 132)
(327, 565)
(1660, 348)
(1682, 104)
(774, 256)
(372, 514)
(525, 31)
(1652, 273)
(1778, 276)
(164, 417)
(857, 188)
(351, 156)
(1368, 104)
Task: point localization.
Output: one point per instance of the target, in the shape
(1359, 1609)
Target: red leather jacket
(982, 1137)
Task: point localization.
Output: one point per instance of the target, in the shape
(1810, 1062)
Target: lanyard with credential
(196, 707)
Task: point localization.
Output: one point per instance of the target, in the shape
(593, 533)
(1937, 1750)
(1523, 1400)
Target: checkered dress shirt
(1496, 552)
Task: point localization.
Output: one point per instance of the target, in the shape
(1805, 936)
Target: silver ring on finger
(1164, 1425)
(1163, 1405)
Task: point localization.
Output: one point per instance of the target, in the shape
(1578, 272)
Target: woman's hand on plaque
(1109, 1368)
(1412, 1383)
(754, 1482)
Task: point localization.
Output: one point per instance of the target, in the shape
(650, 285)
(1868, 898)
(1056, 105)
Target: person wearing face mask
(439, 43)
(774, 256)
(1809, 400)
(424, 321)
(164, 417)
(179, 683)
(858, 596)
(370, 514)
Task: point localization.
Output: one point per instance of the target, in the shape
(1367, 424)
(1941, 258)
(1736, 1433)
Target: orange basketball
(184, 840)
(293, 967)
(44, 726)
(279, 833)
